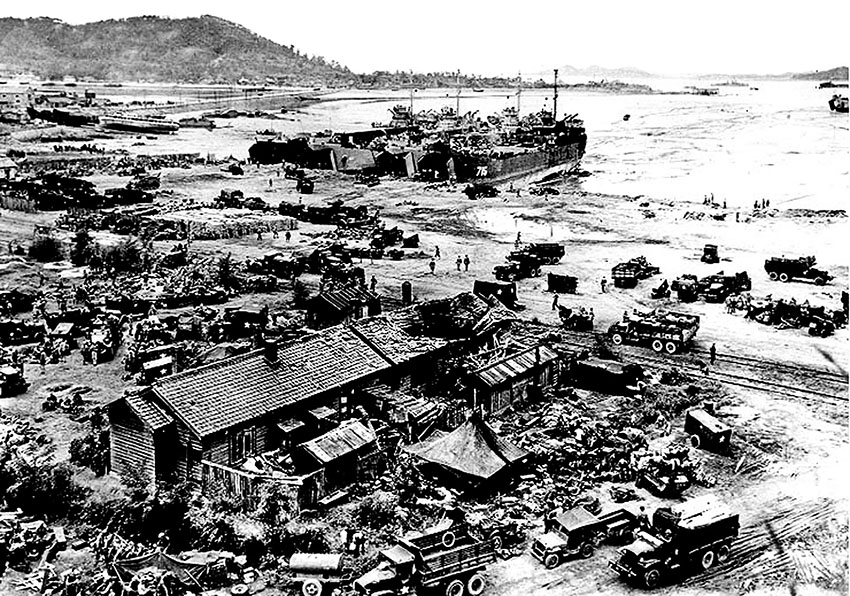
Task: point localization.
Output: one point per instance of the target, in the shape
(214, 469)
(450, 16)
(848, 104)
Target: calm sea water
(779, 142)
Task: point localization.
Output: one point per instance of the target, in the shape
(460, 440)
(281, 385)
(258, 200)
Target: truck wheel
(586, 550)
(652, 578)
(449, 539)
(455, 588)
(773, 276)
(476, 584)
(552, 561)
(311, 587)
(671, 347)
(819, 281)
(707, 560)
(722, 553)
(617, 339)
(657, 345)
(695, 441)
(783, 277)
(535, 272)
(496, 540)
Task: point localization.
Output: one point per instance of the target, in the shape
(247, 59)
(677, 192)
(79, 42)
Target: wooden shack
(512, 381)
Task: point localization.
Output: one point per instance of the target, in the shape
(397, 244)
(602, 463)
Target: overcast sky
(499, 37)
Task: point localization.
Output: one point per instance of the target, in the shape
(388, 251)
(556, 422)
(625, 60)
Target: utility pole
(555, 98)
(518, 91)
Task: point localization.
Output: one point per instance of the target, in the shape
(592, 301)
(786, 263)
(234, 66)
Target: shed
(347, 454)
(506, 382)
(342, 305)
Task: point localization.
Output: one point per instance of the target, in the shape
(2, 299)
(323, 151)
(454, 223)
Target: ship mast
(555, 98)
(457, 84)
(518, 91)
(411, 93)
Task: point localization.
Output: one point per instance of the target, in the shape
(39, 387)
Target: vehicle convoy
(445, 559)
(782, 269)
(662, 330)
(577, 532)
(695, 534)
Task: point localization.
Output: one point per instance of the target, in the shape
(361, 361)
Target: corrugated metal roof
(514, 366)
(343, 440)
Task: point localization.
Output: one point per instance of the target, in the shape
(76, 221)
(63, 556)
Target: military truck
(663, 331)
(709, 254)
(695, 534)
(628, 273)
(716, 288)
(442, 559)
(577, 532)
(12, 381)
(784, 270)
(548, 253)
(519, 266)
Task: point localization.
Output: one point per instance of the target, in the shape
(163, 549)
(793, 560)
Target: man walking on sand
(555, 302)
(712, 353)
(459, 261)
(432, 265)
(603, 283)
(466, 262)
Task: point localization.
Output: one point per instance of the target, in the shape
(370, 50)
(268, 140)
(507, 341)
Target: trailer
(316, 572)
(695, 534)
(663, 331)
(707, 432)
(785, 270)
(577, 532)
(562, 284)
(504, 292)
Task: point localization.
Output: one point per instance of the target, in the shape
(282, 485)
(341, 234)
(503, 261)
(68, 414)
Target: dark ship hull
(535, 163)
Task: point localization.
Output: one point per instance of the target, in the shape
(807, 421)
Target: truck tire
(819, 281)
(586, 550)
(652, 578)
(535, 272)
(773, 275)
(617, 339)
(476, 584)
(783, 277)
(552, 561)
(695, 441)
(311, 587)
(496, 539)
(658, 345)
(670, 347)
(722, 553)
(455, 588)
(449, 539)
(707, 560)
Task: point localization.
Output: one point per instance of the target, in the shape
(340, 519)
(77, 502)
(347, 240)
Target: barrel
(315, 564)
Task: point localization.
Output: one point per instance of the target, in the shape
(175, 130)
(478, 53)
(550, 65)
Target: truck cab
(393, 572)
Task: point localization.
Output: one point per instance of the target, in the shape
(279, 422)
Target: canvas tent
(472, 453)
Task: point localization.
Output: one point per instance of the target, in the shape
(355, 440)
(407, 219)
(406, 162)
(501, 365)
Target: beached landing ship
(145, 124)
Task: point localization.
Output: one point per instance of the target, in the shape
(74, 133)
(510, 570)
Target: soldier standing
(555, 302)
(432, 265)
(466, 262)
(459, 262)
(712, 354)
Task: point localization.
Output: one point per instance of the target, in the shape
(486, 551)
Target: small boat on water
(477, 90)
(626, 117)
(267, 134)
(839, 103)
(146, 124)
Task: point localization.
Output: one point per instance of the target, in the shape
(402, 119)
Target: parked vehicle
(608, 375)
(707, 432)
(784, 270)
(503, 292)
(695, 534)
(316, 572)
(662, 483)
(716, 288)
(663, 331)
(709, 254)
(441, 559)
(519, 267)
(12, 381)
(627, 274)
(575, 319)
(548, 253)
(577, 532)
(686, 288)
